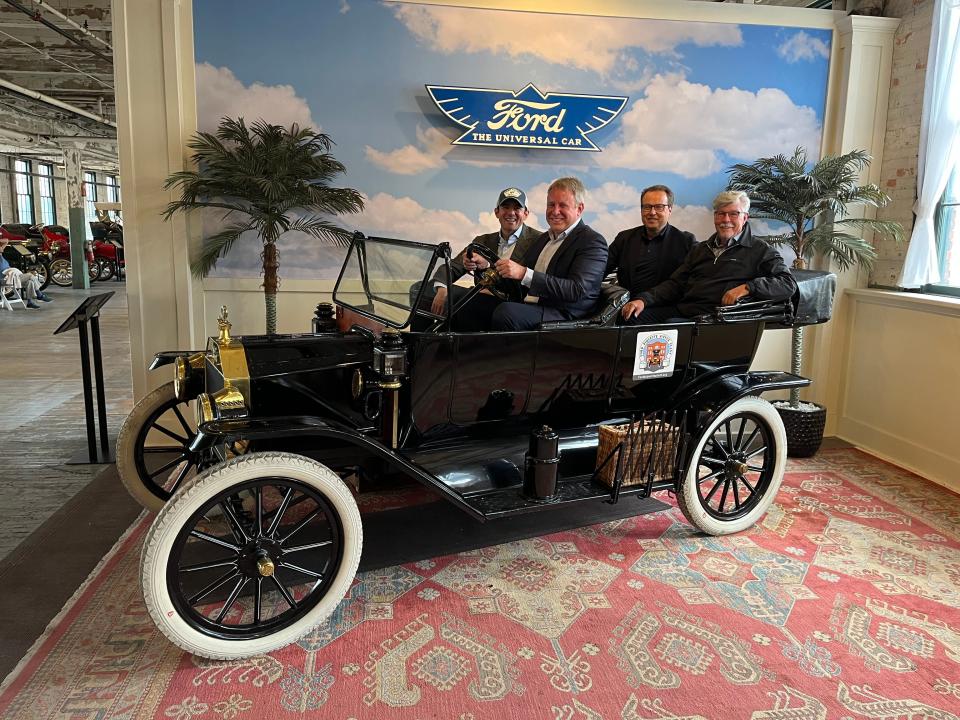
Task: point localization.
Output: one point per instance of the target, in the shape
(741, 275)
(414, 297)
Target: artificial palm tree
(268, 179)
(813, 204)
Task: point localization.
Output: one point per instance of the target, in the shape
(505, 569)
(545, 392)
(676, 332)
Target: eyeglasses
(658, 208)
(733, 214)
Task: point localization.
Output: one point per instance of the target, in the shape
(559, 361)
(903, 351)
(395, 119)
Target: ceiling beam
(55, 103)
(53, 11)
(40, 19)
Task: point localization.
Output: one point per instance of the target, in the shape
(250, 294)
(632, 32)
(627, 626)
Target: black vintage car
(258, 537)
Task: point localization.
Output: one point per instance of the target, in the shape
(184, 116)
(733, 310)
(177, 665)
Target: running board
(511, 501)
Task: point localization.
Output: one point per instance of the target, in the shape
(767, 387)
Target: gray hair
(727, 197)
(659, 188)
(571, 185)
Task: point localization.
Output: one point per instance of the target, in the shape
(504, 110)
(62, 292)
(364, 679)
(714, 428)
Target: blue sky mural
(701, 97)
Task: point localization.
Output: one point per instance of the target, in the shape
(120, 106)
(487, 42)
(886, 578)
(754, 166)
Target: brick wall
(901, 142)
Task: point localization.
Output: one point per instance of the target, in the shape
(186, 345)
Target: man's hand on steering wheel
(510, 269)
(478, 257)
(474, 261)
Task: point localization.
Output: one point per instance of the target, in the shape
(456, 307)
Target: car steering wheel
(486, 280)
(489, 277)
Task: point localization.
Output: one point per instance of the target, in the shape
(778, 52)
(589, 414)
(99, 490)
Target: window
(947, 222)
(89, 198)
(113, 188)
(24, 189)
(48, 203)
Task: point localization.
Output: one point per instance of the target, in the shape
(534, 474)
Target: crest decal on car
(656, 354)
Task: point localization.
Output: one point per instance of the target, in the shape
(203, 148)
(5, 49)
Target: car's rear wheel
(106, 271)
(251, 555)
(736, 468)
(153, 448)
(61, 273)
(42, 271)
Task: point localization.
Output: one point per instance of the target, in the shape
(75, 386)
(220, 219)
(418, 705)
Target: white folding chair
(10, 294)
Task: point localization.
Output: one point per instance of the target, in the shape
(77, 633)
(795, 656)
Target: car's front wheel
(736, 468)
(251, 555)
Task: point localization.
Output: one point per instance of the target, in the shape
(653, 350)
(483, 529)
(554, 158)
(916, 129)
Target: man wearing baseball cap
(513, 239)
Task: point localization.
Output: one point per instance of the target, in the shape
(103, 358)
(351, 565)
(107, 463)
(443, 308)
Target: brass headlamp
(187, 371)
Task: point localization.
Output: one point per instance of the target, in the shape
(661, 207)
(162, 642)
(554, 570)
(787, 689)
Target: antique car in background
(258, 534)
(107, 232)
(23, 251)
(50, 246)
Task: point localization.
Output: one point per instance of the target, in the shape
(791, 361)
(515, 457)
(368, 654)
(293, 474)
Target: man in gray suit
(512, 240)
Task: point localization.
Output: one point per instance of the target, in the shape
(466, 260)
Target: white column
(156, 114)
(856, 120)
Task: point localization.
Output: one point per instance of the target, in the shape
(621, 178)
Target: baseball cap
(512, 193)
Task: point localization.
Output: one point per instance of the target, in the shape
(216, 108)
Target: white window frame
(23, 188)
(48, 199)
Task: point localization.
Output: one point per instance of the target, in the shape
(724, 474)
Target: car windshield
(382, 278)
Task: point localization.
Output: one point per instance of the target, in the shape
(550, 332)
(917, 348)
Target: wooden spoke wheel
(250, 555)
(735, 469)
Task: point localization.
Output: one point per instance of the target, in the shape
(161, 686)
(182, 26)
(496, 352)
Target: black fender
(721, 390)
(716, 396)
(168, 357)
(226, 431)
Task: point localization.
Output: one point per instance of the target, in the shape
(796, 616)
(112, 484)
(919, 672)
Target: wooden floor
(42, 423)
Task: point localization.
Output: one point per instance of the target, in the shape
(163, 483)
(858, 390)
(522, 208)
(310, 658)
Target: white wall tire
(140, 437)
(736, 468)
(221, 630)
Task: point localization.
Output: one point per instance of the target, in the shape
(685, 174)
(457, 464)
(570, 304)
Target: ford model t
(258, 535)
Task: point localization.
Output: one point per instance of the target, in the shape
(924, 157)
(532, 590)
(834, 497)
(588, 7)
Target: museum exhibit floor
(58, 521)
(55, 524)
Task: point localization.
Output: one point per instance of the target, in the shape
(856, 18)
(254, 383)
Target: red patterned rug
(843, 603)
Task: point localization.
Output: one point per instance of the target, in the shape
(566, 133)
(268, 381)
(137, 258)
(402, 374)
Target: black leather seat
(605, 312)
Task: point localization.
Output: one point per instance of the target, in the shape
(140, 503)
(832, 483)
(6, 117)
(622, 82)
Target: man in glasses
(720, 271)
(645, 256)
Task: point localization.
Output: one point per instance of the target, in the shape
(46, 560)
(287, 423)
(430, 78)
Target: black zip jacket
(700, 282)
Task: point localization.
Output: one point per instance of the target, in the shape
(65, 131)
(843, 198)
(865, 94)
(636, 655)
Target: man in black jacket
(719, 271)
(561, 272)
(645, 256)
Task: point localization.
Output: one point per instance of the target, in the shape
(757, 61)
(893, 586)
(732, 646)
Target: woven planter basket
(652, 441)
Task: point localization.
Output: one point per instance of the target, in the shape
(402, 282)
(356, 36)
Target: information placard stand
(88, 312)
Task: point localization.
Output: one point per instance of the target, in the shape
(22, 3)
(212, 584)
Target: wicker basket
(649, 442)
